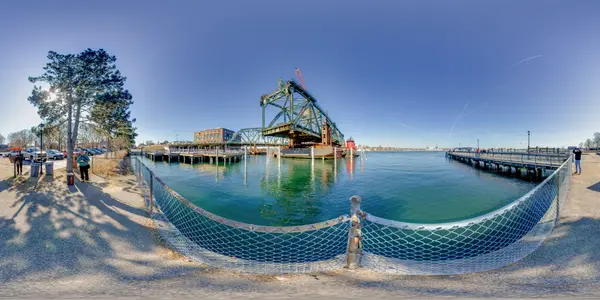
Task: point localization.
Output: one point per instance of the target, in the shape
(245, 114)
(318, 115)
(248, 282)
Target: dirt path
(95, 240)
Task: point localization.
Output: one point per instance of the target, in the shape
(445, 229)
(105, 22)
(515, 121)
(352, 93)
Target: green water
(421, 187)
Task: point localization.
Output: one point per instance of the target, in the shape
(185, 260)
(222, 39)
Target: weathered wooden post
(334, 156)
(312, 154)
(279, 155)
(354, 251)
(217, 156)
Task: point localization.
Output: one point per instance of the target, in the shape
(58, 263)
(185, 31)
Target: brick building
(213, 136)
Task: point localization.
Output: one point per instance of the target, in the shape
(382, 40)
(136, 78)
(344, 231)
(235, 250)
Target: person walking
(84, 164)
(19, 162)
(577, 153)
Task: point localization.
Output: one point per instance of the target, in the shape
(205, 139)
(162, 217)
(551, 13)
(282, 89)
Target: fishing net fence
(487, 242)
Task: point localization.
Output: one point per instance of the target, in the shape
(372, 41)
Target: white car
(55, 154)
(12, 153)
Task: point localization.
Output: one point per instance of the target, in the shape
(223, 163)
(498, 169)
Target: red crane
(299, 74)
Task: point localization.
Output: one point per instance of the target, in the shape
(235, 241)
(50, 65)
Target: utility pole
(528, 140)
(477, 143)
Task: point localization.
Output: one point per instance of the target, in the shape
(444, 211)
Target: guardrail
(490, 241)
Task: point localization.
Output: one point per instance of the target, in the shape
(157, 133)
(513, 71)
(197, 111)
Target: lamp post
(528, 139)
(41, 147)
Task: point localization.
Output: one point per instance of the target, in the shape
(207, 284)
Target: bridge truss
(300, 118)
(255, 137)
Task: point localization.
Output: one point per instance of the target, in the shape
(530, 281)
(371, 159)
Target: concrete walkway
(95, 240)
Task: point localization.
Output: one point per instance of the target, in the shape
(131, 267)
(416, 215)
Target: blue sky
(396, 73)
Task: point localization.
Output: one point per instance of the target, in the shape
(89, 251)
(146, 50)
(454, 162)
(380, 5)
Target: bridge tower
(326, 134)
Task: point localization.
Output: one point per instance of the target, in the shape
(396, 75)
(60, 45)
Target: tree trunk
(70, 144)
(76, 126)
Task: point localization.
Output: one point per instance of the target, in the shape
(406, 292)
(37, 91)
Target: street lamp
(528, 138)
(41, 147)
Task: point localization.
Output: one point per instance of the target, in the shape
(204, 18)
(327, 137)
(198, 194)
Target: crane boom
(299, 74)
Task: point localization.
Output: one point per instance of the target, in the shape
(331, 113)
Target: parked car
(35, 153)
(55, 154)
(11, 153)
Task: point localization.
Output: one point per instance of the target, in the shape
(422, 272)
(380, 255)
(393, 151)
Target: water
(420, 187)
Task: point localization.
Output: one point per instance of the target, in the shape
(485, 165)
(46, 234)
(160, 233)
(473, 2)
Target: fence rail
(519, 158)
(487, 242)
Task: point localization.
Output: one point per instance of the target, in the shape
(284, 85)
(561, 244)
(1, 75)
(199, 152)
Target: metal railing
(491, 241)
(487, 242)
(220, 242)
(522, 158)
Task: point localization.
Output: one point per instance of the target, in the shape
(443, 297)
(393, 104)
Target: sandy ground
(95, 240)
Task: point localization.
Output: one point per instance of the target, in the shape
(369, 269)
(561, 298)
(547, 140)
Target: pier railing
(493, 240)
(522, 158)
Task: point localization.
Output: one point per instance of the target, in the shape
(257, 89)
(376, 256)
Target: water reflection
(412, 187)
(288, 202)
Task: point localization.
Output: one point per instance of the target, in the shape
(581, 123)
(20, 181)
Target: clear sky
(392, 73)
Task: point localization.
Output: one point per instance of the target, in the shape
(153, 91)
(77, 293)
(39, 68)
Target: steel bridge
(244, 137)
(300, 118)
(255, 137)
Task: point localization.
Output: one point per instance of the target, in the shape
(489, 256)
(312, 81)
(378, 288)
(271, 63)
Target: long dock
(195, 157)
(537, 165)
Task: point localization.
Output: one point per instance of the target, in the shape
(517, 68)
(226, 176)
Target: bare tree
(23, 138)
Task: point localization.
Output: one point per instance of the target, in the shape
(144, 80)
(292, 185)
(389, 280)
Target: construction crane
(299, 74)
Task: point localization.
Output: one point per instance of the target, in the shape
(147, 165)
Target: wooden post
(245, 164)
(354, 250)
(334, 156)
(335, 150)
(312, 154)
(279, 155)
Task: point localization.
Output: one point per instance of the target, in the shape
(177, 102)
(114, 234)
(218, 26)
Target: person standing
(577, 153)
(19, 162)
(84, 164)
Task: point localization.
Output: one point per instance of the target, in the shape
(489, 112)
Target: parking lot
(58, 164)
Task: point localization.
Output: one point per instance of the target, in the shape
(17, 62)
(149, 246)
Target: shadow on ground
(595, 187)
(55, 231)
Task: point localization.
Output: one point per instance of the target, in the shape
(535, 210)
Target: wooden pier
(535, 165)
(195, 157)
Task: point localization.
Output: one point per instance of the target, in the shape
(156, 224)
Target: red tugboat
(350, 148)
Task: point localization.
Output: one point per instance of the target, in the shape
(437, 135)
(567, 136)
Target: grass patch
(154, 148)
(110, 165)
